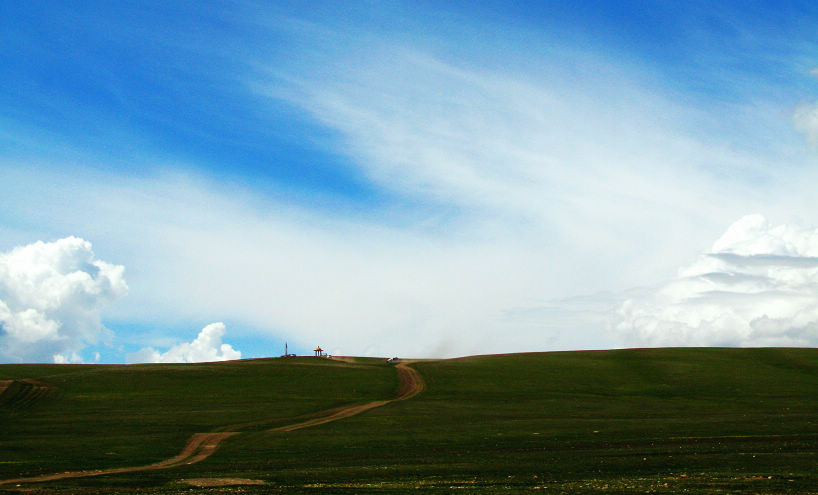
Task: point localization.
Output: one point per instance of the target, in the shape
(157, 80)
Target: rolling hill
(628, 421)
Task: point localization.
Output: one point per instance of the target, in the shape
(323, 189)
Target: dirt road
(411, 384)
(202, 445)
(411, 381)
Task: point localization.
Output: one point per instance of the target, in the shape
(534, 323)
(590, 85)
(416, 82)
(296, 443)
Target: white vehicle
(393, 360)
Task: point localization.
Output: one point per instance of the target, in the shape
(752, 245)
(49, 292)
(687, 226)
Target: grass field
(629, 421)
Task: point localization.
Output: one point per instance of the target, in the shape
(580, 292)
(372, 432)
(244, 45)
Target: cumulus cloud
(51, 294)
(757, 287)
(207, 346)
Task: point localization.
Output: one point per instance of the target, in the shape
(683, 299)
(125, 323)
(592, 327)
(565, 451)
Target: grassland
(113, 416)
(630, 421)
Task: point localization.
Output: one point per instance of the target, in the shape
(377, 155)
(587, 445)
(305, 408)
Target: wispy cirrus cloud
(805, 119)
(417, 187)
(350, 285)
(560, 157)
(520, 189)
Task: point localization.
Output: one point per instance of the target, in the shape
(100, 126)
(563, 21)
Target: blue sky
(431, 179)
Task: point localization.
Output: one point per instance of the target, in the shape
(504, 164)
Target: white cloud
(757, 287)
(521, 188)
(51, 295)
(575, 167)
(206, 347)
(806, 121)
(66, 359)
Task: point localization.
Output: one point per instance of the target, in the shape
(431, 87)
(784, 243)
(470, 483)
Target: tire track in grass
(24, 394)
(200, 446)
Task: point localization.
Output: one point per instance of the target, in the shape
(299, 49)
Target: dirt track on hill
(202, 445)
(411, 384)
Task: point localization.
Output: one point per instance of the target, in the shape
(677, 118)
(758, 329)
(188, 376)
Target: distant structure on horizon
(320, 352)
(287, 352)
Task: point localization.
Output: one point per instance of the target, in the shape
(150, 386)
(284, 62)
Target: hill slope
(97, 417)
(661, 420)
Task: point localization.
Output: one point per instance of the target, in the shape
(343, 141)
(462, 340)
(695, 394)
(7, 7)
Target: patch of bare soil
(208, 482)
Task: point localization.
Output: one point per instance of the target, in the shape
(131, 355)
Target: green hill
(629, 421)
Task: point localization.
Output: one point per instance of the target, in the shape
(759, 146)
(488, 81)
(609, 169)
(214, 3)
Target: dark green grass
(630, 421)
(110, 416)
